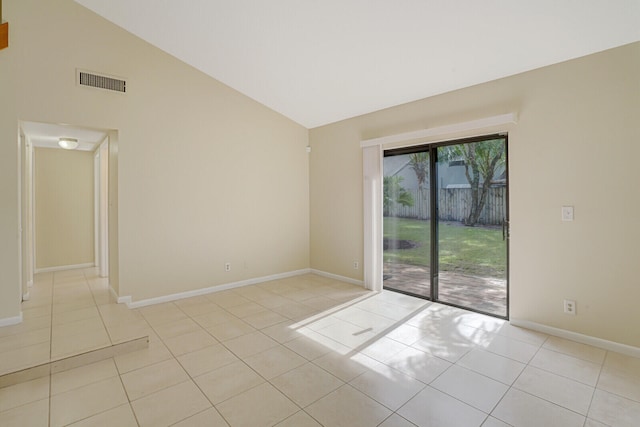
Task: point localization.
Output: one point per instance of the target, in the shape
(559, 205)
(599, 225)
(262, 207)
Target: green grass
(476, 251)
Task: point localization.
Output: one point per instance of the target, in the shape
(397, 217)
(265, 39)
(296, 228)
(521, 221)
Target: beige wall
(205, 174)
(576, 143)
(64, 217)
(10, 294)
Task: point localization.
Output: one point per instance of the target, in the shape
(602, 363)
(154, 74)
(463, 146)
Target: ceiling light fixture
(68, 143)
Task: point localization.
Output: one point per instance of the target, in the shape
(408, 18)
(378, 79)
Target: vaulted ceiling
(318, 62)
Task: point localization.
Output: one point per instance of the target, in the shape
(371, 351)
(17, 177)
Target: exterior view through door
(446, 223)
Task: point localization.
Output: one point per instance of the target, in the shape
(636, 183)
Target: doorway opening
(66, 196)
(445, 223)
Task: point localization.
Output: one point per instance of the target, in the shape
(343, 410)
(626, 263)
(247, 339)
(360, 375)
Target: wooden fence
(454, 205)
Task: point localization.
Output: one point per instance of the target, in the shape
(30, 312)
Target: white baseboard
(337, 277)
(203, 291)
(8, 321)
(64, 267)
(581, 338)
(120, 300)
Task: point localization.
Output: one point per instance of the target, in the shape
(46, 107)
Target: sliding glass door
(407, 223)
(446, 223)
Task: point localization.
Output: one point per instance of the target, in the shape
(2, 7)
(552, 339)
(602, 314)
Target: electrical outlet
(570, 307)
(356, 265)
(227, 266)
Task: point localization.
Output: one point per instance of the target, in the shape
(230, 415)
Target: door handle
(505, 229)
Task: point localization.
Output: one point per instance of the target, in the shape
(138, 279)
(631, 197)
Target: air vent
(115, 84)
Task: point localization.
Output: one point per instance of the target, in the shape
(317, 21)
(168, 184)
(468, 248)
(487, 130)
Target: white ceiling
(320, 61)
(45, 135)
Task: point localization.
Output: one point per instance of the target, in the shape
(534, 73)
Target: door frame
(432, 149)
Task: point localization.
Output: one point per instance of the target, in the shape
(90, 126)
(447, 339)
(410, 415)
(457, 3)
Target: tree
(395, 194)
(481, 160)
(419, 162)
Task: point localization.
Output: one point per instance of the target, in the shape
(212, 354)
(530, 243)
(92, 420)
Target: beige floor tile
(150, 379)
(250, 344)
(121, 416)
(366, 319)
(156, 352)
(275, 361)
(179, 327)
(299, 419)
(383, 349)
(115, 313)
(86, 401)
(82, 376)
(431, 407)
(264, 319)
(522, 409)
(207, 359)
(575, 349)
(470, 387)
(78, 327)
(27, 325)
(347, 406)
(345, 367)
(230, 330)
(359, 331)
(519, 351)
(228, 381)
(198, 308)
(25, 357)
(295, 311)
(24, 339)
(567, 366)
(282, 332)
(396, 420)
(418, 364)
(494, 422)
(621, 375)
(388, 386)
(170, 405)
(311, 345)
(37, 311)
(35, 414)
(23, 393)
(73, 304)
(214, 318)
(162, 313)
(274, 301)
(348, 334)
(189, 342)
(492, 365)
(593, 423)
(556, 389)
(70, 345)
(209, 418)
(267, 407)
(247, 309)
(522, 334)
(76, 315)
(450, 349)
(614, 410)
(306, 384)
(121, 332)
(227, 299)
(406, 334)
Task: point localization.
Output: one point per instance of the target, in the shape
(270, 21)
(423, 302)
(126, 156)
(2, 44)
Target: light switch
(567, 213)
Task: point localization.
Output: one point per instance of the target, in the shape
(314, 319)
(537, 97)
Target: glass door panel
(471, 225)
(407, 223)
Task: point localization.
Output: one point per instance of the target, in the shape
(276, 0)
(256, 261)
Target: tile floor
(305, 351)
